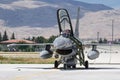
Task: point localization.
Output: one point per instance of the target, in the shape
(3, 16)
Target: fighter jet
(67, 47)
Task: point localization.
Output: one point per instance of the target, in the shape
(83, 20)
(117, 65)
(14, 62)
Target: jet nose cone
(59, 42)
(62, 43)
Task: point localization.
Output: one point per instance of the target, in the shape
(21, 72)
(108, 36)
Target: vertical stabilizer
(77, 24)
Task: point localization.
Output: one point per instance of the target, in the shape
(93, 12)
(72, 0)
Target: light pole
(98, 36)
(112, 30)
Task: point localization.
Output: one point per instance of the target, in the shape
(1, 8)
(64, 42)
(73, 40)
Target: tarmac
(47, 72)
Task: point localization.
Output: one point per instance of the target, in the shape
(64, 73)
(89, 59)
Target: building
(3, 44)
(14, 41)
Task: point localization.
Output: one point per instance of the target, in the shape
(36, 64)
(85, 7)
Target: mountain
(41, 13)
(90, 24)
(102, 22)
(28, 18)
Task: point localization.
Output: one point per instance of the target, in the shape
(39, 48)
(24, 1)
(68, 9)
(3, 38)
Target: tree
(105, 40)
(13, 36)
(0, 37)
(33, 39)
(5, 36)
(22, 47)
(100, 41)
(51, 39)
(40, 40)
(28, 38)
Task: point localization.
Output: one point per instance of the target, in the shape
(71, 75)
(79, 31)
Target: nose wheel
(86, 64)
(69, 66)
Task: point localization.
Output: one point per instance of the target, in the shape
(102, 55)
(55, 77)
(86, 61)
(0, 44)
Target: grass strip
(19, 52)
(17, 60)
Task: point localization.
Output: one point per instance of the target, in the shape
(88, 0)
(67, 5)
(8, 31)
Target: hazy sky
(111, 3)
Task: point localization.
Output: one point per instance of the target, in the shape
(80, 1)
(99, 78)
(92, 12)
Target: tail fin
(77, 24)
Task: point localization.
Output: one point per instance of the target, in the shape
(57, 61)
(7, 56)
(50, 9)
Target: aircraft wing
(101, 44)
(39, 44)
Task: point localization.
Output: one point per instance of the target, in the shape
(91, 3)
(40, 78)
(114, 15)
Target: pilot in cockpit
(66, 33)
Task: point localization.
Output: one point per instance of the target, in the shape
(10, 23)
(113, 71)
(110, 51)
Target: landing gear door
(64, 21)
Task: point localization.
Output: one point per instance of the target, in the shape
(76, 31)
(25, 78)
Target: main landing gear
(86, 65)
(56, 64)
(66, 66)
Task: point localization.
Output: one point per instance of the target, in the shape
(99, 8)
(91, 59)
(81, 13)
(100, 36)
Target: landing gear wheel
(69, 66)
(86, 65)
(74, 66)
(56, 64)
(66, 66)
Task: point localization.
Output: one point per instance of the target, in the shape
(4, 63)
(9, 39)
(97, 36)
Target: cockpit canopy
(64, 22)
